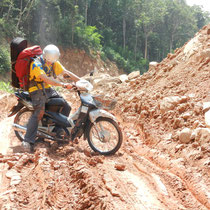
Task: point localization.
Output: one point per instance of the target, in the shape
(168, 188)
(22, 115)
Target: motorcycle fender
(93, 115)
(15, 109)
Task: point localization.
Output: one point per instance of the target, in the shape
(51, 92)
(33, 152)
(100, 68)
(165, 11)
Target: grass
(6, 87)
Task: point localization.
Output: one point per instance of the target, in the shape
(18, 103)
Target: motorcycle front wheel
(105, 136)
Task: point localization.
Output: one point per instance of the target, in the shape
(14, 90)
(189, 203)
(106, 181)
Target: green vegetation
(4, 59)
(5, 86)
(128, 32)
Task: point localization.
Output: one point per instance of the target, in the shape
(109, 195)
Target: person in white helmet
(43, 74)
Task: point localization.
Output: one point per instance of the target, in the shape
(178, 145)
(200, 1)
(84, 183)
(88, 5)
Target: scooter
(91, 119)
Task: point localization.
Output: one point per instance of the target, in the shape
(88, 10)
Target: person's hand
(68, 86)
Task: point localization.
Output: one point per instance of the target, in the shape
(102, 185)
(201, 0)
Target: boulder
(101, 81)
(185, 135)
(153, 64)
(134, 75)
(123, 77)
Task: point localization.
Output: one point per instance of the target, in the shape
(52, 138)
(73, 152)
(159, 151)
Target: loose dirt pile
(163, 163)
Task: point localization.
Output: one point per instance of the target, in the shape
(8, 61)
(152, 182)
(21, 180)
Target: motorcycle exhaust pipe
(22, 129)
(19, 128)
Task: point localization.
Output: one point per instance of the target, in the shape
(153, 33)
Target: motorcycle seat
(55, 102)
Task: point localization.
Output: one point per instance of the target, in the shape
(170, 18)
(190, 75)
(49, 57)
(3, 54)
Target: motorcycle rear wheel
(105, 136)
(22, 118)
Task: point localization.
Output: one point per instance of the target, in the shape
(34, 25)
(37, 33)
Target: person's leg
(38, 101)
(51, 93)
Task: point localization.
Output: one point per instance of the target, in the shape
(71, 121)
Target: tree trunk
(146, 47)
(22, 11)
(124, 32)
(136, 43)
(171, 42)
(10, 7)
(20, 15)
(86, 11)
(72, 33)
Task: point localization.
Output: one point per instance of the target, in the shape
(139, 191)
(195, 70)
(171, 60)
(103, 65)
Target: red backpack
(21, 57)
(22, 66)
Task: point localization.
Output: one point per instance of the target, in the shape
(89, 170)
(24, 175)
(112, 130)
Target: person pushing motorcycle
(43, 75)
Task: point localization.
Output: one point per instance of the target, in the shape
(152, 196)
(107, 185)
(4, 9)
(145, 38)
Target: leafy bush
(126, 60)
(4, 60)
(87, 38)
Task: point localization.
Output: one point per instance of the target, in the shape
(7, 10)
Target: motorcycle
(91, 120)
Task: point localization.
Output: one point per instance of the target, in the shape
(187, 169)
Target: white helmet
(51, 53)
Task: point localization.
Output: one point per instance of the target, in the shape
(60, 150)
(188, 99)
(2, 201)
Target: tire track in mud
(184, 188)
(76, 178)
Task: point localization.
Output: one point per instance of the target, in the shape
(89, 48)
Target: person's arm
(54, 82)
(72, 76)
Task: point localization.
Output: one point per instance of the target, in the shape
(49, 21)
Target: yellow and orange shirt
(39, 67)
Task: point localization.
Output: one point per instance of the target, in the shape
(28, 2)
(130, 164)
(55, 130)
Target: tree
(153, 12)
(178, 18)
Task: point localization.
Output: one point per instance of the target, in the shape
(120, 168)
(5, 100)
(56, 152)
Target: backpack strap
(35, 83)
(52, 71)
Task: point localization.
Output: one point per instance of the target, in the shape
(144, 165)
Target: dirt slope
(156, 168)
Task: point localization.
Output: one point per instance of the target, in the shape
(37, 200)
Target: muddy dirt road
(73, 177)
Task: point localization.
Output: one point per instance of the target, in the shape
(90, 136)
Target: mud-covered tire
(111, 127)
(17, 120)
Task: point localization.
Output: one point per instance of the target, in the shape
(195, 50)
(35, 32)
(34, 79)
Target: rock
(205, 147)
(12, 173)
(202, 135)
(15, 180)
(198, 108)
(187, 115)
(205, 54)
(123, 78)
(134, 75)
(182, 108)
(208, 31)
(178, 123)
(195, 145)
(105, 81)
(207, 118)
(206, 106)
(185, 135)
(196, 124)
(87, 153)
(120, 167)
(206, 110)
(194, 155)
(207, 163)
(153, 64)
(179, 147)
(14, 176)
(168, 103)
(143, 114)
